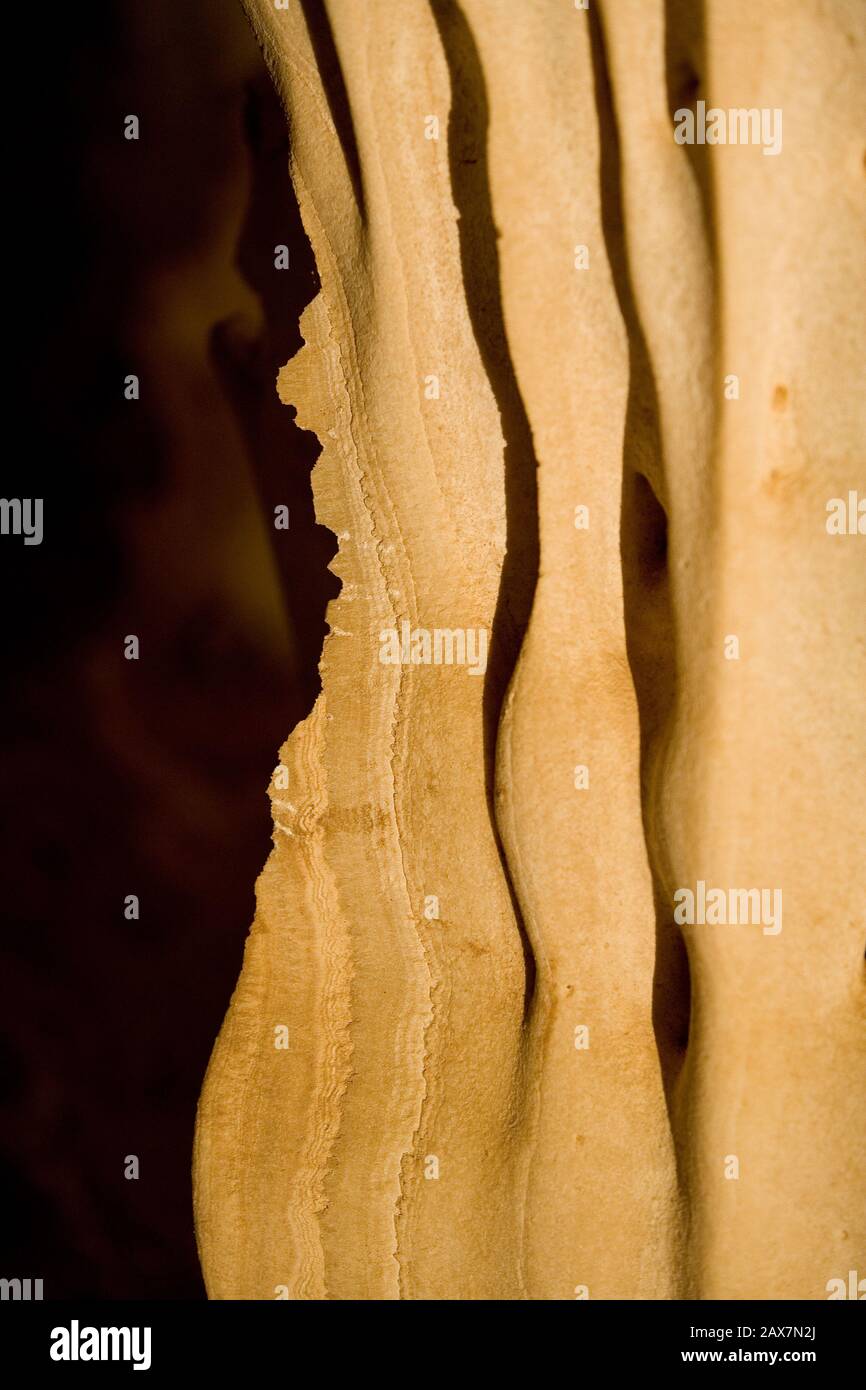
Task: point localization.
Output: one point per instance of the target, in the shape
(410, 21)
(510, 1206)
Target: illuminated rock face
(556, 985)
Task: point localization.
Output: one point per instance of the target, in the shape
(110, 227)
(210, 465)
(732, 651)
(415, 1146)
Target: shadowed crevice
(686, 72)
(468, 126)
(648, 612)
(334, 86)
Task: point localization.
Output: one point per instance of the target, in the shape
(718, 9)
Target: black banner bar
(162, 1339)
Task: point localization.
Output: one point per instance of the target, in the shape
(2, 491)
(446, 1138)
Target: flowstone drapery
(521, 1013)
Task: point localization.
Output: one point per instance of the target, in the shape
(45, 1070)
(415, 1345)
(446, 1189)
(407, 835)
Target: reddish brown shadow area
(145, 779)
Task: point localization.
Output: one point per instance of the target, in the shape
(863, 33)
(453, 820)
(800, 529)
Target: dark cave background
(153, 257)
